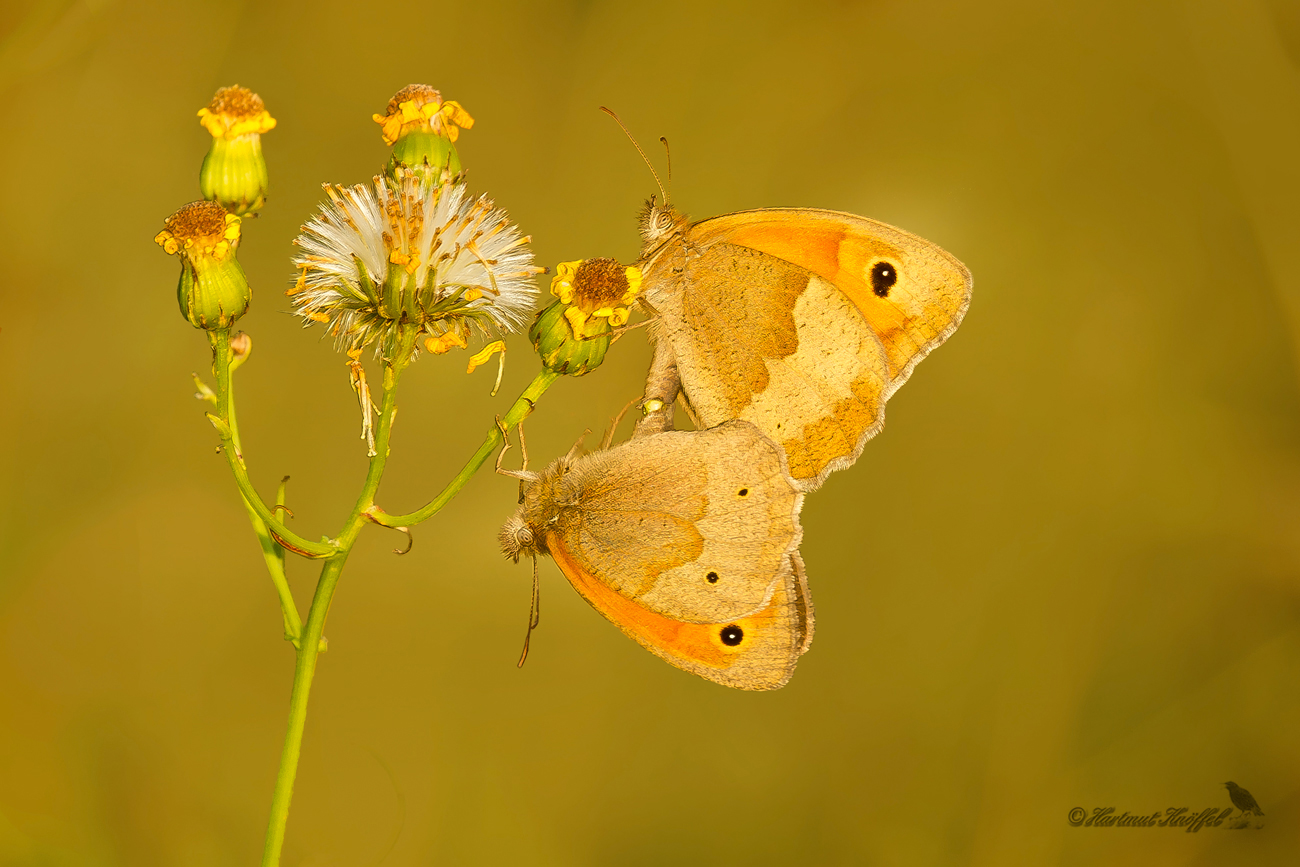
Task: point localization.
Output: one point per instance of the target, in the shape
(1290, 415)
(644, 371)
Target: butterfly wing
(691, 525)
(803, 322)
(757, 651)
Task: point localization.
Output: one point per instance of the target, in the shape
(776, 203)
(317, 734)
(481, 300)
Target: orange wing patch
(705, 649)
(917, 311)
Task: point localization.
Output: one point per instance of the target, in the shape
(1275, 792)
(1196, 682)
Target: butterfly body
(801, 321)
(688, 542)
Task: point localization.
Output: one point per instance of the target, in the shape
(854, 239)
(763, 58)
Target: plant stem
(272, 551)
(310, 645)
(291, 540)
(523, 405)
(311, 642)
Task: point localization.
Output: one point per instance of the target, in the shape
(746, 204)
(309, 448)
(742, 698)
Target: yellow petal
(577, 320)
(445, 342)
(633, 284)
(392, 126)
(483, 355)
(453, 111)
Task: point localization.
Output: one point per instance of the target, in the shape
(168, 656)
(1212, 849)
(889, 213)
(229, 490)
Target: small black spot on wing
(883, 277)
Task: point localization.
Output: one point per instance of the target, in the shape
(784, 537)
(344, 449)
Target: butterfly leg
(523, 474)
(523, 445)
(573, 452)
(618, 419)
(616, 333)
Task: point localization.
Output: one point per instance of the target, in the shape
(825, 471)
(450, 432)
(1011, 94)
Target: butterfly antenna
(658, 182)
(534, 613)
(668, 152)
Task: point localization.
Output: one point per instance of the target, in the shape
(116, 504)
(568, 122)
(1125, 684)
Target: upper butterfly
(799, 320)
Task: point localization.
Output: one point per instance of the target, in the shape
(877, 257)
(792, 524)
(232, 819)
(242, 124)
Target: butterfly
(687, 541)
(801, 321)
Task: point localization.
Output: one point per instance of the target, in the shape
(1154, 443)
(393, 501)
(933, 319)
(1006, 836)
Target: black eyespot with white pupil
(712, 577)
(883, 278)
(732, 635)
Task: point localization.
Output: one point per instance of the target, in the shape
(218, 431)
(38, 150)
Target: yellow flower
(236, 111)
(596, 288)
(234, 171)
(593, 298)
(420, 108)
(213, 291)
(421, 128)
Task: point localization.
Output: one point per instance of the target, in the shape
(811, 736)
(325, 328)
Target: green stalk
(272, 551)
(311, 641)
(523, 405)
(310, 645)
(221, 421)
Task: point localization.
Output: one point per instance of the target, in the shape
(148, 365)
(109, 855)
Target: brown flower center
(198, 221)
(599, 283)
(236, 102)
(417, 93)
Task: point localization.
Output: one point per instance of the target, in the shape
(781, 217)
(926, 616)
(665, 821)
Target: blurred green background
(1064, 575)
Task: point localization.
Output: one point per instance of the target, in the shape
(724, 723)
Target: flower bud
(213, 291)
(560, 349)
(421, 127)
(234, 171)
(573, 334)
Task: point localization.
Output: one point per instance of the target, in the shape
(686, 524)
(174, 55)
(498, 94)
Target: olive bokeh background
(1065, 575)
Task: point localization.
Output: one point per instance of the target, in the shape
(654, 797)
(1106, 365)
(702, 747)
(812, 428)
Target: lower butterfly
(687, 541)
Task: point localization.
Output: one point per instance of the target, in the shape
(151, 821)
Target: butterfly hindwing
(758, 651)
(693, 525)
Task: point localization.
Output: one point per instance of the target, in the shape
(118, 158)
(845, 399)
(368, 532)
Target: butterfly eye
(663, 222)
(515, 538)
(883, 277)
(732, 635)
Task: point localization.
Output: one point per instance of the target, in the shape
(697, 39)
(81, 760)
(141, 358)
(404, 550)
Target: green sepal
(234, 174)
(214, 294)
(563, 351)
(426, 154)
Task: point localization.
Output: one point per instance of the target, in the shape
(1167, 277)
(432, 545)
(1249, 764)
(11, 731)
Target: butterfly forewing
(802, 322)
(912, 292)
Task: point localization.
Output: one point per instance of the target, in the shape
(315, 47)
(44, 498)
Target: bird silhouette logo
(1243, 800)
